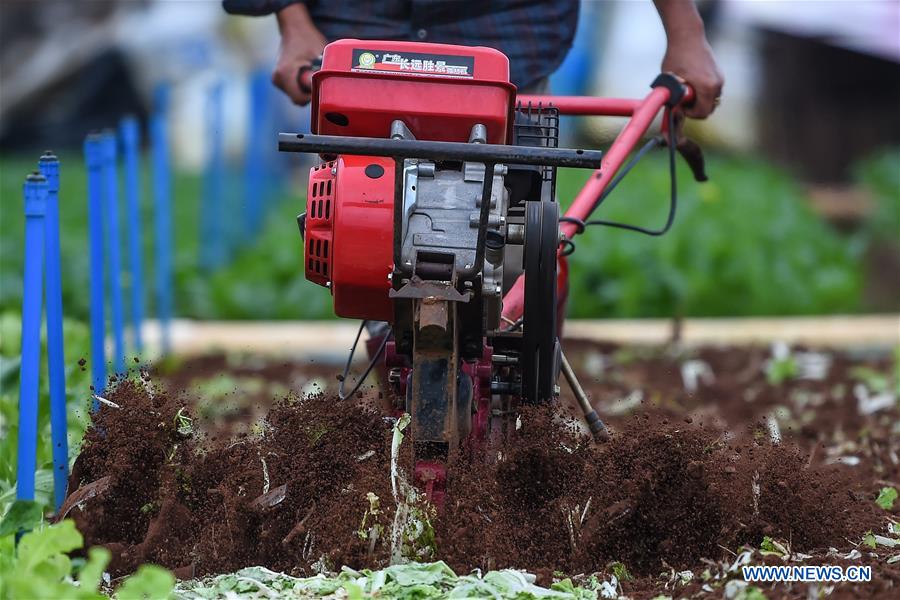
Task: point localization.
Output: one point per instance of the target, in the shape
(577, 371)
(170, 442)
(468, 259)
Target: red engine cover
(349, 234)
(439, 90)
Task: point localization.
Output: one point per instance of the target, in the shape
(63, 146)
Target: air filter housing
(348, 243)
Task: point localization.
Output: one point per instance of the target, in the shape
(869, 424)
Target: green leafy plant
(40, 565)
(744, 243)
(149, 582)
(880, 175)
(22, 515)
(41, 568)
(404, 582)
(77, 340)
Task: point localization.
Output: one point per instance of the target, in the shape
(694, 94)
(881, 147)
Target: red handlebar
(601, 107)
(642, 113)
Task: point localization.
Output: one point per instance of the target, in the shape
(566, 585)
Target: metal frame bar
(431, 150)
(642, 113)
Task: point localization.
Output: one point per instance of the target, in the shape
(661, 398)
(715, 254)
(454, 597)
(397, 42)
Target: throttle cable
(569, 245)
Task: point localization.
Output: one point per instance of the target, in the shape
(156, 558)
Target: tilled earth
(712, 451)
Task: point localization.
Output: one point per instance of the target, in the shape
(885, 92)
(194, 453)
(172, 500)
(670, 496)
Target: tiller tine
(433, 401)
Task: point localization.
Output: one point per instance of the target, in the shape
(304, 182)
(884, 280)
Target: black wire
(578, 223)
(673, 202)
(650, 145)
(368, 370)
(565, 241)
(569, 244)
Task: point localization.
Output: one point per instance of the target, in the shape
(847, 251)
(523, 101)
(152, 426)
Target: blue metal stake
(130, 134)
(254, 152)
(111, 208)
(162, 195)
(49, 167)
(93, 157)
(212, 238)
(272, 158)
(35, 193)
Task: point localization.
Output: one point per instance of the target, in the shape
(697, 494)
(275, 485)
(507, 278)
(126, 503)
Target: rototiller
(433, 209)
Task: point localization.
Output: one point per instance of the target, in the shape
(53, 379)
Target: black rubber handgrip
(305, 73)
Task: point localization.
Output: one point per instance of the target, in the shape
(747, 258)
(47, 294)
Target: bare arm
(688, 54)
(301, 43)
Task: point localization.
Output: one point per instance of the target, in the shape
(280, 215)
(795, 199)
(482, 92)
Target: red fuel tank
(439, 90)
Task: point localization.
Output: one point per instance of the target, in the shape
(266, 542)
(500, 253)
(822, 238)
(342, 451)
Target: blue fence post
(162, 200)
(130, 134)
(254, 153)
(93, 157)
(35, 196)
(276, 162)
(113, 250)
(56, 366)
(212, 234)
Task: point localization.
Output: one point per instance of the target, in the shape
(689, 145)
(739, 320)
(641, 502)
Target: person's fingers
(700, 109)
(706, 99)
(285, 78)
(708, 92)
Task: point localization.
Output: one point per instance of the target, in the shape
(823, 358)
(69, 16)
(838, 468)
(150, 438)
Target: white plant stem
(103, 400)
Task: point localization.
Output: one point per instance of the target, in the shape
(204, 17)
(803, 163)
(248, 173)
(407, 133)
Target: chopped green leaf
(753, 593)
(780, 370)
(886, 498)
(620, 571)
(773, 547)
(869, 540)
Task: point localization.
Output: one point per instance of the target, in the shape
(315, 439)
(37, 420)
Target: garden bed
(719, 457)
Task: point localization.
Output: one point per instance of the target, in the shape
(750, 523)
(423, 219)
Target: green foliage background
(744, 243)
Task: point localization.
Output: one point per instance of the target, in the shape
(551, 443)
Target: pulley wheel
(539, 326)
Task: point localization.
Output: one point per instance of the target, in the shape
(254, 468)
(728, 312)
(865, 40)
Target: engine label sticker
(413, 63)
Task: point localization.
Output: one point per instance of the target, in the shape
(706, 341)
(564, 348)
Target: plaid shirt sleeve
(534, 34)
(255, 7)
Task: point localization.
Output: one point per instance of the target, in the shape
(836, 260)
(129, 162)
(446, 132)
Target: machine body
(434, 209)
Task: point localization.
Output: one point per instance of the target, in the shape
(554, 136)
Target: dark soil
(685, 478)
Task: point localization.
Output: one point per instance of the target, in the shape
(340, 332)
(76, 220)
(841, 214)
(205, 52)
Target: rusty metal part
(597, 427)
(418, 288)
(433, 399)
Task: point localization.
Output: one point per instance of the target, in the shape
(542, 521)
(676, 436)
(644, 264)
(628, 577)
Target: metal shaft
(597, 427)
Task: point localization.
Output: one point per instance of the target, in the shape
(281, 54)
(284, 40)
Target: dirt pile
(656, 494)
(312, 488)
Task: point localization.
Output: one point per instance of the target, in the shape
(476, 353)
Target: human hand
(690, 58)
(301, 44)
